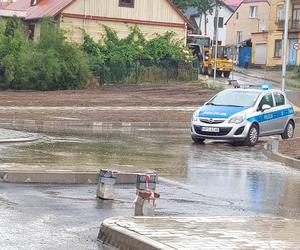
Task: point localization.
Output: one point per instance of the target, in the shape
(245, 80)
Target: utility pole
(216, 23)
(285, 43)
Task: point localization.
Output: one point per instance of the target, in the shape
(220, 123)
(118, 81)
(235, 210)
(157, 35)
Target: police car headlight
(195, 118)
(237, 119)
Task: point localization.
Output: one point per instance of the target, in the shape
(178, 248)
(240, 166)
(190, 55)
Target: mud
(290, 148)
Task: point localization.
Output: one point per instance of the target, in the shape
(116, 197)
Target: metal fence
(144, 71)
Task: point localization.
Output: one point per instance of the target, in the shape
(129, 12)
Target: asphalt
(55, 217)
(212, 180)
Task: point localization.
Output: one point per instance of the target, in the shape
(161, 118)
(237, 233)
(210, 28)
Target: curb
(276, 156)
(89, 126)
(20, 140)
(257, 77)
(61, 177)
(204, 232)
(121, 238)
(264, 78)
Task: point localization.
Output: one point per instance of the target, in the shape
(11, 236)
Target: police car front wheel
(252, 136)
(288, 131)
(198, 140)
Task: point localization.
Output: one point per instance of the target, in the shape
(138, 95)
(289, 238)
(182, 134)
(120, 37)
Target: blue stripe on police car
(210, 111)
(271, 115)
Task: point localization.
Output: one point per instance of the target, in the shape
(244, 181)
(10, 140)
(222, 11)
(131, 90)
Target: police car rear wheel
(289, 131)
(252, 137)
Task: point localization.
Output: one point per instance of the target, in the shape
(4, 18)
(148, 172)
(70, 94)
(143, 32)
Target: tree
(182, 4)
(11, 26)
(204, 7)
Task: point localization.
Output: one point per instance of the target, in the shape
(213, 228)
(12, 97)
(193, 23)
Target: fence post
(168, 68)
(136, 72)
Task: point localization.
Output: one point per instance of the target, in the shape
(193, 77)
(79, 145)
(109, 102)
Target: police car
(243, 115)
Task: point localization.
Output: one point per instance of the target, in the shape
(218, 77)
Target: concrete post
(146, 195)
(105, 188)
(273, 144)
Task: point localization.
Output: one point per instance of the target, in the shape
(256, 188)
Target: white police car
(243, 115)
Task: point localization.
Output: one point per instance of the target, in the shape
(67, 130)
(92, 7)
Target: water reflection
(163, 151)
(246, 178)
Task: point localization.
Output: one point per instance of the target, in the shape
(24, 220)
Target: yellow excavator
(205, 54)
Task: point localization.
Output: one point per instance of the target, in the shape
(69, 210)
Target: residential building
(152, 17)
(251, 16)
(275, 35)
(247, 27)
(205, 24)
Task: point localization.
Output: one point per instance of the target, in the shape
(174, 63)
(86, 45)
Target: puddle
(214, 175)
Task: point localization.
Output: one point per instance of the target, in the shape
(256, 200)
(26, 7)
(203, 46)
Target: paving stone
(211, 232)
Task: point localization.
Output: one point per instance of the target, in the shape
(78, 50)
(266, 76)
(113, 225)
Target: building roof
(255, 1)
(54, 7)
(233, 3)
(42, 9)
(9, 13)
(180, 13)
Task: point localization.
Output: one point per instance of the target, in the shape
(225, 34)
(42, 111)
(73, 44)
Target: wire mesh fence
(116, 72)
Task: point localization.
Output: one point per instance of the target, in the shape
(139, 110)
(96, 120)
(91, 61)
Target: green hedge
(51, 63)
(134, 59)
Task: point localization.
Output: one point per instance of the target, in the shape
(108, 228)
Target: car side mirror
(265, 107)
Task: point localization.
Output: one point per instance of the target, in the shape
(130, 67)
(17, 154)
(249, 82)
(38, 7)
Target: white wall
(223, 12)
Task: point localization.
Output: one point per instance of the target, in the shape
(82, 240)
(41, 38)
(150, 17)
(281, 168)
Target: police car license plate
(210, 129)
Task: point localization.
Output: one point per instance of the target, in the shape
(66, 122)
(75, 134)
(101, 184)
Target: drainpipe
(285, 42)
(84, 24)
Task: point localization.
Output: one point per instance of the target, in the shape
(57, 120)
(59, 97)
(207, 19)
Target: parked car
(243, 115)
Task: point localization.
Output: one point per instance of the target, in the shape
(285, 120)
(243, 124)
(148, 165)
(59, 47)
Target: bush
(126, 60)
(51, 63)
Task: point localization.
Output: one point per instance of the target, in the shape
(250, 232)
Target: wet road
(197, 180)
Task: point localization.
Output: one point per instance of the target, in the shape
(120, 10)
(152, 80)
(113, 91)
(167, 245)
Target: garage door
(261, 53)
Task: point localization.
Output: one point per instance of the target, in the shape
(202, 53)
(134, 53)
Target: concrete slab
(200, 233)
(61, 177)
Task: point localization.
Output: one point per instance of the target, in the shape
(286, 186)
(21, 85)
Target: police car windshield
(235, 98)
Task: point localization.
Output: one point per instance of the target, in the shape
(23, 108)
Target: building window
(237, 16)
(221, 22)
(296, 16)
(253, 11)
(280, 13)
(239, 37)
(277, 48)
(126, 3)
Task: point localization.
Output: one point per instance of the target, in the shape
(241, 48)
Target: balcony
(294, 24)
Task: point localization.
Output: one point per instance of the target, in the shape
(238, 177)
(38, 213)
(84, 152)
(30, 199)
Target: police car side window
(279, 99)
(267, 99)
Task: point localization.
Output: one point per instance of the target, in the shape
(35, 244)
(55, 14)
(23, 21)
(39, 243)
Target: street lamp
(216, 23)
(285, 43)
